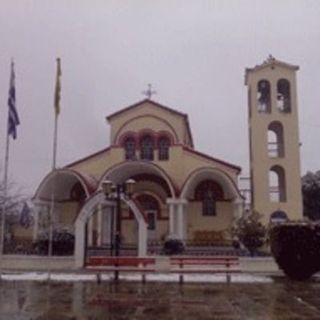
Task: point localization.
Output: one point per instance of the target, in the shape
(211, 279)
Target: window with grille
(147, 148)
(209, 192)
(130, 148)
(163, 145)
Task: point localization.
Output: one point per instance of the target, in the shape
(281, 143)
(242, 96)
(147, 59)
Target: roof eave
(112, 115)
(203, 155)
(271, 63)
(70, 165)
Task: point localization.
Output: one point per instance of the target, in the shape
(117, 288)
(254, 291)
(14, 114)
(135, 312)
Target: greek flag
(13, 118)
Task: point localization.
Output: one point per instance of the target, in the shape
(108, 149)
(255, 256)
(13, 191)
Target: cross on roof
(149, 92)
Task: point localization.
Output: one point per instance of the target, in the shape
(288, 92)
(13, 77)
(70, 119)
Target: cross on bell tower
(149, 92)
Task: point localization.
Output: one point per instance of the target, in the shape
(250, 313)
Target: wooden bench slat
(205, 263)
(122, 269)
(202, 259)
(203, 271)
(120, 261)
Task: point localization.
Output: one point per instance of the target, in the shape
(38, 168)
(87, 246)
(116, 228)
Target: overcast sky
(194, 52)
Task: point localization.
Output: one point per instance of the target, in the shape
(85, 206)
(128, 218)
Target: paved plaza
(276, 299)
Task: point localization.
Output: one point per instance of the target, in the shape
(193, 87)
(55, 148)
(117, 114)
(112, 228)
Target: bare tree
(311, 195)
(11, 201)
(250, 231)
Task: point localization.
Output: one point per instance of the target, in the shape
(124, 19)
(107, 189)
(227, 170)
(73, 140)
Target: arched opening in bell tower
(283, 95)
(277, 184)
(263, 96)
(275, 140)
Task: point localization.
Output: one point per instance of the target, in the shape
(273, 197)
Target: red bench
(205, 265)
(120, 264)
(177, 264)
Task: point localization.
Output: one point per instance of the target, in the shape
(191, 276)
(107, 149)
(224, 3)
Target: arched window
(147, 148)
(130, 148)
(77, 193)
(277, 184)
(209, 192)
(278, 216)
(163, 146)
(275, 140)
(209, 204)
(263, 96)
(283, 95)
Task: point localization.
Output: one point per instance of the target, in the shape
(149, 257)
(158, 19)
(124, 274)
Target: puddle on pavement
(282, 299)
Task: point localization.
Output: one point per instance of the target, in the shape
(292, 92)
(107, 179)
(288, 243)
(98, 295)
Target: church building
(177, 191)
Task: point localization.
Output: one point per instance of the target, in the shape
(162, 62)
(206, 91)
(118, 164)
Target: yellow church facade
(177, 191)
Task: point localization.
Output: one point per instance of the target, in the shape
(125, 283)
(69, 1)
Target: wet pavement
(282, 299)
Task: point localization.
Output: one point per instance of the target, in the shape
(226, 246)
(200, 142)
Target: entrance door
(151, 216)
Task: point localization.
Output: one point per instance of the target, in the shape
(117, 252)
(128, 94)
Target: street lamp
(114, 192)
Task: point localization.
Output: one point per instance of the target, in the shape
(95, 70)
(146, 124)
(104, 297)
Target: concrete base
(19, 262)
(258, 264)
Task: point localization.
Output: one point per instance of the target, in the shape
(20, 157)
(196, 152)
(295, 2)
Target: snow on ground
(198, 278)
(157, 277)
(24, 276)
(72, 277)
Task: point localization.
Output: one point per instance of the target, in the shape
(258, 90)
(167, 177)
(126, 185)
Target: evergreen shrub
(296, 248)
(62, 244)
(173, 246)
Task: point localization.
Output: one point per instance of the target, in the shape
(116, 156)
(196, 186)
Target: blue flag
(13, 118)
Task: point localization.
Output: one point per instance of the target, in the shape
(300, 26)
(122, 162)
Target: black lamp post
(114, 192)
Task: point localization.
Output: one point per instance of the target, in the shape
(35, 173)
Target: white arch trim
(46, 182)
(87, 211)
(162, 202)
(228, 185)
(120, 172)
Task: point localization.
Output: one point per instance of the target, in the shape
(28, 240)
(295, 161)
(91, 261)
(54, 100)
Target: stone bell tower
(274, 139)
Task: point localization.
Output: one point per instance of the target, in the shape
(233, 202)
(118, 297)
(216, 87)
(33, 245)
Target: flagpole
(12, 123)
(54, 158)
(55, 141)
(56, 113)
(5, 191)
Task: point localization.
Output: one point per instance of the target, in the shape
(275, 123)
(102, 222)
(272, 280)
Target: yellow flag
(57, 92)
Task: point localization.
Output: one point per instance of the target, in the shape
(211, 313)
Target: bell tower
(274, 139)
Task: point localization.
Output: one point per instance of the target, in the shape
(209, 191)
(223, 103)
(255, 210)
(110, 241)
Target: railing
(19, 246)
(29, 247)
(108, 250)
(275, 150)
(192, 247)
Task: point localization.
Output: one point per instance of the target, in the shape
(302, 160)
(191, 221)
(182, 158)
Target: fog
(193, 52)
